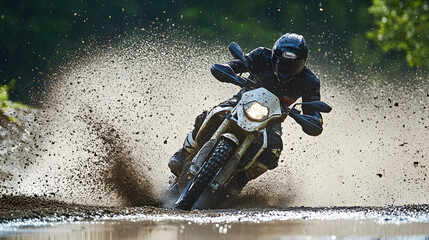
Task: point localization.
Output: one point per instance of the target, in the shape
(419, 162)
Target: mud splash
(114, 116)
(121, 177)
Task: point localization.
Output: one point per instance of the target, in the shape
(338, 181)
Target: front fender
(263, 97)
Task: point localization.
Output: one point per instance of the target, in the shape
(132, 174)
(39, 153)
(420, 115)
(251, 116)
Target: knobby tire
(207, 173)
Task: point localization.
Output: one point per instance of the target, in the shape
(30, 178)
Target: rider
(282, 71)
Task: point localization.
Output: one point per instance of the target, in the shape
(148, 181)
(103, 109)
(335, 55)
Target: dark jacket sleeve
(237, 66)
(255, 61)
(312, 93)
(220, 71)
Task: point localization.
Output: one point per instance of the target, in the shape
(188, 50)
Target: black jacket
(305, 84)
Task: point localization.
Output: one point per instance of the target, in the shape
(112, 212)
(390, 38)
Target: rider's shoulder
(258, 59)
(309, 77)
(259, 54)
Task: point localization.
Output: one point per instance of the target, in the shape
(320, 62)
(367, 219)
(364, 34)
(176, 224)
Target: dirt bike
(230, 140)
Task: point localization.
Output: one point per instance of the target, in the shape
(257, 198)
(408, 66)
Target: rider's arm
(312, 93)
(225, 73)
(255, 61)
(220, 71)
(237, 66)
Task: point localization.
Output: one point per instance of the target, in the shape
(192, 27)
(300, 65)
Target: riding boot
(256, 170)
(242, 178)
(178, 159)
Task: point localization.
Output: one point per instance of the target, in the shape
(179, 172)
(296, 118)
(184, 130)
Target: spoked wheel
(206, 174)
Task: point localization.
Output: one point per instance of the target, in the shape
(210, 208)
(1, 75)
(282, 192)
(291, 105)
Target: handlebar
(245, 82)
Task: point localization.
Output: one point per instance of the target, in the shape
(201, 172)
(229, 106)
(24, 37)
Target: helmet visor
(286, 69)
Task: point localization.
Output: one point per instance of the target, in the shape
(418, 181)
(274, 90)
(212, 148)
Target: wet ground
(36, 218)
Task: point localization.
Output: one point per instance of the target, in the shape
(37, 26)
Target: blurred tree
(261, 22)
(403, 26)
(38, 34)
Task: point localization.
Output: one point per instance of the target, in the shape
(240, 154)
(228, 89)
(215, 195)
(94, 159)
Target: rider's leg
(268, 160)
(270, 156)
(178, 159)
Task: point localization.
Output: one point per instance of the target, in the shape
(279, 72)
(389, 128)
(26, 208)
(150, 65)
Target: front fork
(196, 160)
(208, 147)
(227, 171)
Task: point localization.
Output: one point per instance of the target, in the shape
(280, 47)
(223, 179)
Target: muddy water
(297, 229)
(294, 223)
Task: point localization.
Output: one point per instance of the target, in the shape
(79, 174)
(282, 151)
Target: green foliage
(403, 26)
(5, 103)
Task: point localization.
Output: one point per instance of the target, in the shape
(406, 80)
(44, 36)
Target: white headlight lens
(256, 111)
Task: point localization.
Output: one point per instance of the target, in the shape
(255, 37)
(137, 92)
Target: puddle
(293, 229)
(293, 223)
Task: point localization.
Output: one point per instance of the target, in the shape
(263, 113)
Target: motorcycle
(230, 141)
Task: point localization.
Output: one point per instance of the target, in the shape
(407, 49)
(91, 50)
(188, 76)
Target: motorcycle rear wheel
(205, 176)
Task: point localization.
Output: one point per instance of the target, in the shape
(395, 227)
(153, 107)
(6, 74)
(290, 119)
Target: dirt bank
(14, 208)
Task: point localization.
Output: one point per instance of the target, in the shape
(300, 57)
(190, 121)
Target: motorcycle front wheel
(206, 174)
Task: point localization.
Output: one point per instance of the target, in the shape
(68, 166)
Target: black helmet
(289, 55)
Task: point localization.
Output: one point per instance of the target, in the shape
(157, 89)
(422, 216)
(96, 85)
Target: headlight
(256, 111)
